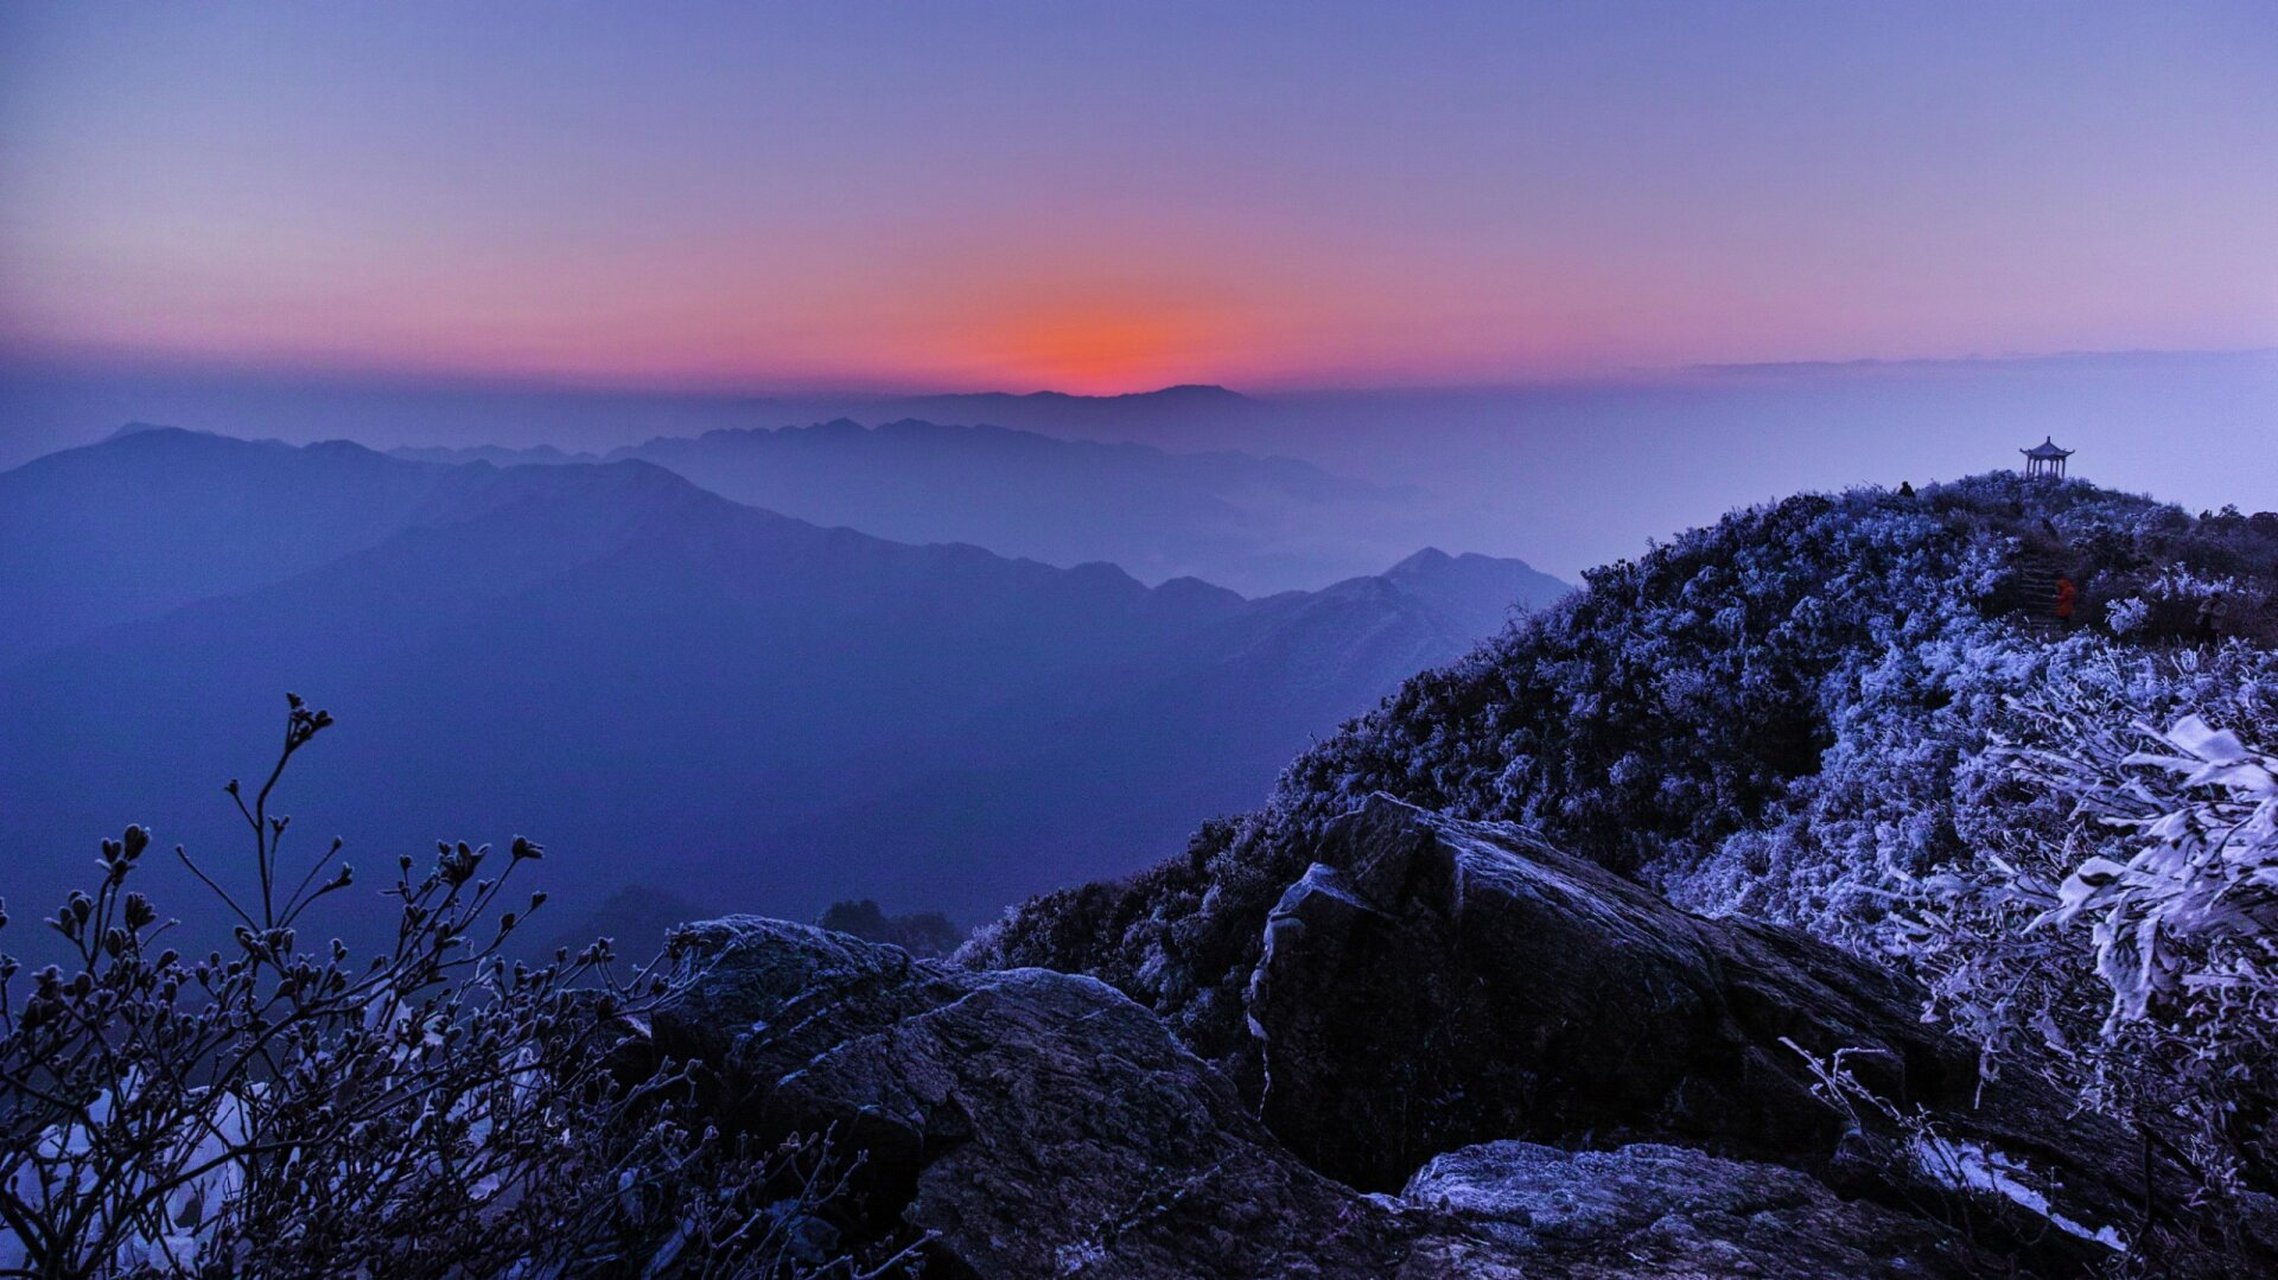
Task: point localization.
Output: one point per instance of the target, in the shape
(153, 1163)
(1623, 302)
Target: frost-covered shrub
(2179, 604)
(1680, 697)
(2163, 890)
(2129, 616)
(2197, 906)
(436, 1110)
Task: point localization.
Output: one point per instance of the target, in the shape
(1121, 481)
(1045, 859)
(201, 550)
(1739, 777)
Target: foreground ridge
(1480, 1057)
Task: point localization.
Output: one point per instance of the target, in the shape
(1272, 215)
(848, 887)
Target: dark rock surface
(1430, 984)
(1041, 1123)
(1648, 1210)
(1479, 1058)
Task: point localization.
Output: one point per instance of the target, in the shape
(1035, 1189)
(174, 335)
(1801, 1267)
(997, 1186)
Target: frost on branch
(438, 1110)
(2165, 888)
(2196, 907)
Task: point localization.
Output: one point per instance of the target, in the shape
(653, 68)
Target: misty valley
(678, 693)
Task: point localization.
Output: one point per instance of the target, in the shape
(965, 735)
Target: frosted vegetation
(437, 1110)
(1856, 714)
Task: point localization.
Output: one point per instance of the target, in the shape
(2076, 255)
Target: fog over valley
(793, 712)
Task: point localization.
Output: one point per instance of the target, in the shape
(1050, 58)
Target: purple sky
(1105, 197)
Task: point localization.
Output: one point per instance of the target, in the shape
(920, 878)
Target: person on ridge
(2067, 596)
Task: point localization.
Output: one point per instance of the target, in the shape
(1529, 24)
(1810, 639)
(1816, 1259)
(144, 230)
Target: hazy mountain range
(1250, 523)
(1134, 415)
(1565, 474)
(667, 687)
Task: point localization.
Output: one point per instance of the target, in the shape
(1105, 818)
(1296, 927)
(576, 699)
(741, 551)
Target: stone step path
(2037, 575)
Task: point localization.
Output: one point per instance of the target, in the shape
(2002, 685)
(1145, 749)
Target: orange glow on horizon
(1040, 318)
(1088, 349)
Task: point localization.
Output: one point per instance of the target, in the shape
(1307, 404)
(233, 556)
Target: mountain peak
(139, 427)
(1185, 397)
(1428, 560)
(1184, 391)
(1189, 391)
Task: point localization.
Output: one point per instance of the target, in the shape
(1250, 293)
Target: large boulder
(1038, 1123)
(1430, 984)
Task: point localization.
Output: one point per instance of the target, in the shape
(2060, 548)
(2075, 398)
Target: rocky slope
(1458, 921)
(1479, 1057)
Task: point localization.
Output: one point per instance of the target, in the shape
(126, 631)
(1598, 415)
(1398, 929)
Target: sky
(1105, 198)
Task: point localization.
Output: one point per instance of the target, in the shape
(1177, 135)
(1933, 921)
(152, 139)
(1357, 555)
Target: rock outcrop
(1039, 1123)
(1429, 984)
(1479, 1058)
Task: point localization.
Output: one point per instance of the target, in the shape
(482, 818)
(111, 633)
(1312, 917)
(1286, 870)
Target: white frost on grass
(1973, 1166)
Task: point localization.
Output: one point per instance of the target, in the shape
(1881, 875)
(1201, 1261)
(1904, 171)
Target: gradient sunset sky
(1109, 197)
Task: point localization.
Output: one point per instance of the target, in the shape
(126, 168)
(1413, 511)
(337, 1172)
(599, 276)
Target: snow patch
(1973, 1166)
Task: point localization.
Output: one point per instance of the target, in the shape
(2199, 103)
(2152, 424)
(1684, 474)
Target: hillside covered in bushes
(1857, 715)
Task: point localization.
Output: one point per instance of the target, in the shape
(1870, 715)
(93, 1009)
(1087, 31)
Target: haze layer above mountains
(1565, 475)
(667, 687)
(1253, 524)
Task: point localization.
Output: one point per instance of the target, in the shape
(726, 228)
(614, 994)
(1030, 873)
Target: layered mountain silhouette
(1191, 411)
(667, 687)
(1250, 523)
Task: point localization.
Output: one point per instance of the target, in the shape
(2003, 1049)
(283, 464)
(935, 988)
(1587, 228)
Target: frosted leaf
(2216, 746)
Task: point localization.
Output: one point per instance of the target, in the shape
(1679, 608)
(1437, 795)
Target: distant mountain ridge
(1256, 524)
(670, 688)
(1058, 415)
(1053, 412)
(542, 455)
(138, 525)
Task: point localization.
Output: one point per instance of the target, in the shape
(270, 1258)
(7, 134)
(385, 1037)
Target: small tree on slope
(436, 1111)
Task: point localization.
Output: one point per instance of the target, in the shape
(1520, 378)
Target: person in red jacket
(2067, 596)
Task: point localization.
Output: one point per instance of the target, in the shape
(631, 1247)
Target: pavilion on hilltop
(2045, 459)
